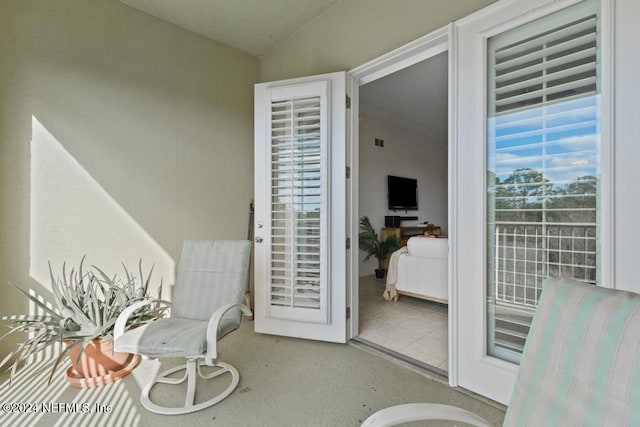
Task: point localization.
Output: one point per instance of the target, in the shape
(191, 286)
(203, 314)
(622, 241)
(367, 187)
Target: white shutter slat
(567, 31)
(538, 160)
(514, 73)
(588, 67)
(543, 131)
(579, 44)
(513, 120)
(572, 85)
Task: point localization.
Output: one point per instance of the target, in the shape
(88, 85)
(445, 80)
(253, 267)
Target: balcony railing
(526, 253)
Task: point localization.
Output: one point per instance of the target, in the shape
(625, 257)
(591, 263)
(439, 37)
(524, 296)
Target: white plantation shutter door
(543, 161)
(298, 241)
(300, 195)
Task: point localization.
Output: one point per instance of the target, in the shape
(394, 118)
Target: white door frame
(423, 48)
(483, 374)
(443, 39)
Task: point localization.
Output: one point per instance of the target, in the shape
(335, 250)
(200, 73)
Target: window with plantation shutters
(298, 205)
(543, 171)
(296, 184)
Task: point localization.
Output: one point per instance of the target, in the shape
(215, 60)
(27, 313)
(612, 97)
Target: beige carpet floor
(284, 382)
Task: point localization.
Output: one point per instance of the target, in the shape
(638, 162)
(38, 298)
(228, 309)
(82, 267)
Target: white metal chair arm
(121, 321)
(214, 322)
(395, 415)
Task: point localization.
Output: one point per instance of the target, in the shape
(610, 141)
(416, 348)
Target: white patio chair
(580, 366)
(208, 293)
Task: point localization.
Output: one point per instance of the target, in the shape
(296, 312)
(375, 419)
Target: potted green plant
(374, 247)
(87, 304)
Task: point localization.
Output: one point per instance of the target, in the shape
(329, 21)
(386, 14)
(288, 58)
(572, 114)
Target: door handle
(258, 239)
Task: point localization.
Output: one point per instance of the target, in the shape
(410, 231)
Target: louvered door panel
(300, 268)
(298, 147)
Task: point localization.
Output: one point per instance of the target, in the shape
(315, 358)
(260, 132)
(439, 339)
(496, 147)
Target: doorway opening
(403, 132)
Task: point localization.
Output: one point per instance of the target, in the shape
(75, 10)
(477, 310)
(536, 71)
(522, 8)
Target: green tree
(575, 201)
(522, 195)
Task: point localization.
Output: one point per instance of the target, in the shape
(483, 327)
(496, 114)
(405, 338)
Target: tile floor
(413, 327)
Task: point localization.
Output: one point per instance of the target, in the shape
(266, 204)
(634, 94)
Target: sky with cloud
(560, 140)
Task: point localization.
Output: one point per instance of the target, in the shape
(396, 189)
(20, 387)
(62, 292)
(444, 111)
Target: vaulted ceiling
(253, 26)
(415, 97)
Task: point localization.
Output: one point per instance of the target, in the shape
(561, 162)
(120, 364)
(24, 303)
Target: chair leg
(191, 383)
(192, 372)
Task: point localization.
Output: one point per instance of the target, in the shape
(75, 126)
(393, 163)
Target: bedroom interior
(403, 137)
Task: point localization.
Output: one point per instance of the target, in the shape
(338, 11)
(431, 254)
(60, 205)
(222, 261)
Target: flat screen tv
(402, 193)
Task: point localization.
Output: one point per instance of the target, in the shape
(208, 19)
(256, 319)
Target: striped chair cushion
(212, 273)
(581, 363)
(174, 337)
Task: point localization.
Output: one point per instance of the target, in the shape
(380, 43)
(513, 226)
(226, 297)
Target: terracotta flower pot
(99, 364)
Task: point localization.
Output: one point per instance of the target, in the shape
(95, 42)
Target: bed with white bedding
(421, 270)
